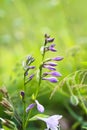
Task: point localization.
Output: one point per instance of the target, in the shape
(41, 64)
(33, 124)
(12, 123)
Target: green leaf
(38, 115)
(6, 128)
(84, 126)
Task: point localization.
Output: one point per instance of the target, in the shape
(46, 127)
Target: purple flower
(51, 48)
(52, 122)
(51, 79)
(57, 58)
(40, 108)
(31, 76)
(28, 61)
(49, 67)
(49, 39)
(29, 67)
(55, 73)
(30, 107)
(51, 64)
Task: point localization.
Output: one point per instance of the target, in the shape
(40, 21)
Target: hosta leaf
(38, 115)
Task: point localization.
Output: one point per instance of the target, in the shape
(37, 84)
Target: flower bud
(49, 39)
(49, 67)
(40, 108)
(74, 100)
(54, 73)
(51, 79)
(50, 64)
(31, 76)
(30, 107)
(51, 48)
(57, 58)
(22, 93)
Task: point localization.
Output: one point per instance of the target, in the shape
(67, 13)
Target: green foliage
(22, 26)
(38, 115)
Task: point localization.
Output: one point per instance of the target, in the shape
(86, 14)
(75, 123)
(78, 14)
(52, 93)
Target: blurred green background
(23, 24)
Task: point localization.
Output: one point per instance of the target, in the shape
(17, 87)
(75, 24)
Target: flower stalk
(51, 75)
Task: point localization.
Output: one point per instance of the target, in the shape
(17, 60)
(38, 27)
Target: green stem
(38, 87)
(79, 95)
(39, 83)
(81, 100)
(27, 120)
(77, 117)
(24, 105)
(68, 85)
(40, 71)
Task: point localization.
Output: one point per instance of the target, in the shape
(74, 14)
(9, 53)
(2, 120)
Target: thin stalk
(79, 95)
(77, 117)
(40, 71)
(81, 100)
(38, 87)
(24, 105)
(27, 120)
(70, 90)
(39, 83)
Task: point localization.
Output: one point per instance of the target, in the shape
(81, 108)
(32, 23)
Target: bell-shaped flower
(55, 73)
(52, 122)
(51, 48)
(51, 79)
(49, 67)
(40, 107)
(30, 107)
(49, 40)
(50, 63)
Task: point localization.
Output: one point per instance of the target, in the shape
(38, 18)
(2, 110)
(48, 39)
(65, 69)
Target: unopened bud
(74, 100)
(22, 93)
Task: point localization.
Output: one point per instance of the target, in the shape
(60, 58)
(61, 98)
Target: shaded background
(23, 24)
